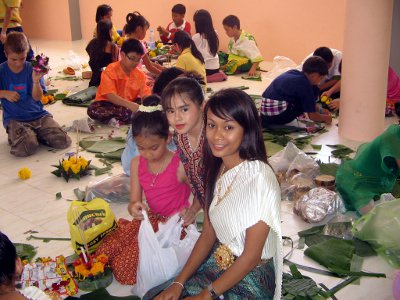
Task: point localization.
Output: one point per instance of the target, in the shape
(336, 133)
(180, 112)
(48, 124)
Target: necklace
(198, 139)
(229, 188)
(153, 181)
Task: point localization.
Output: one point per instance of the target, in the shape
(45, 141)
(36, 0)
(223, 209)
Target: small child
(105, 12)
(190, 58)
(101, 50)
(294, 93)
(121, 84)
(244, 55)
(178, 23)
(372, 172)
(182, 100)
(136, 28)
(159, 174)
(26, 122)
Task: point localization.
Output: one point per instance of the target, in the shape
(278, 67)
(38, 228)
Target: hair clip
(150, 109)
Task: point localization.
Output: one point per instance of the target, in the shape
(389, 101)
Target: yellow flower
(83, 162)
(75, 168)
(72, 160)
(24, 173)
(66, 165)
(160, 45)
(97, 268)
(152, 53)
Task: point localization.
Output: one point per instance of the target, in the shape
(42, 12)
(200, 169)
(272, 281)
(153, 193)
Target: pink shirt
(168, 196)
(393, 87)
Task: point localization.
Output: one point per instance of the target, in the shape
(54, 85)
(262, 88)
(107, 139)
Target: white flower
(150, 109)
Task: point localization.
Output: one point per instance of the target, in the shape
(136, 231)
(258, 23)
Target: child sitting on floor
(178, 23)
(190, 59)
(101, 50)
(26, 122)
(105, 12)
(121, 84)
(159, 174)
(243, 53)
(294, 93)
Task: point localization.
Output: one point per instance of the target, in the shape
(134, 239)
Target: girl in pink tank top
(159, 175)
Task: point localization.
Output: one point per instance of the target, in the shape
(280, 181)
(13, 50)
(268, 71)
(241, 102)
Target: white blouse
(211, 62)
(255, 196)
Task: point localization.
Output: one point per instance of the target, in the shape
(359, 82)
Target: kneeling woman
(239, 253)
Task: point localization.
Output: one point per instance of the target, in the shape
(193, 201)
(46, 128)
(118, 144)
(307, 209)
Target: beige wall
(47, 19)
(281, 27)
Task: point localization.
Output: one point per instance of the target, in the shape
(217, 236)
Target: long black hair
(187, 88)
(183, 40)
(150, 123)
(102, 10)
(204, 25)
(96, 46)
(233, 104)
(8, 257)
(135, 20)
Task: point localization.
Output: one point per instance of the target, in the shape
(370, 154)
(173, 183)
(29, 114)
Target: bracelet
(213, 294)
(177, 282)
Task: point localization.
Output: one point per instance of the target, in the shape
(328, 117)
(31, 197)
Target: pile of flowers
(94, 268)
(73, 167)
(160, 49)
(48, 99)
(40, 63)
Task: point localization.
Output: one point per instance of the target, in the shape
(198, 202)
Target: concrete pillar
(366, 50)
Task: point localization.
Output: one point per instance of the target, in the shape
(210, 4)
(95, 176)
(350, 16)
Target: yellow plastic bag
(90, 222)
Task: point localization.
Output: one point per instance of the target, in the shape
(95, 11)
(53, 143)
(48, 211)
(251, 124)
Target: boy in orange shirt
(121, 84)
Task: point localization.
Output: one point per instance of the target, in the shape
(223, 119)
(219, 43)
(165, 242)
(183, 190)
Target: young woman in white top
(239, 252)
(206, 40)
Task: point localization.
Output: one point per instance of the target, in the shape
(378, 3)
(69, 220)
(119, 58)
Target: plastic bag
(162, 255)
(112, 189)
(280, 65)
(318, 203)
(381, 227)
(90, 222)
(75, 61)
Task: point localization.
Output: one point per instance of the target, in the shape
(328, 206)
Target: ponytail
(135, 20)
(184, 41)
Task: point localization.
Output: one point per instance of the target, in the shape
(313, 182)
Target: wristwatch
(213, 293)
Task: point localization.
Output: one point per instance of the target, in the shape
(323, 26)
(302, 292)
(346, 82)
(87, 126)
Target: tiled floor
(32, 205)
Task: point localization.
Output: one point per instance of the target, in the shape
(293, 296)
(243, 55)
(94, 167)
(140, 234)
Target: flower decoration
(41, 63)
(73, 167)
(48, 99)
(93, 269)
(160, 49)
(149, 109)
(24, 173)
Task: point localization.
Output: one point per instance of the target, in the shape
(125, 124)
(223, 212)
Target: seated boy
(294, 93)
(24, 118)
(244, 55)
(178, 23)
(120, 85)
(333, 58)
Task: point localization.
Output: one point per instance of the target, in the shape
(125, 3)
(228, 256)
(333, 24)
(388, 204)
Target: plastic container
(152, 41)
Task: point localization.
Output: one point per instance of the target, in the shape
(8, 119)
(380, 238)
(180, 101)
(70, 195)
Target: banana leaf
(25, 251)
(332, 253)
(106, 146)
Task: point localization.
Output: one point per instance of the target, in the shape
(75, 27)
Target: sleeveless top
(96, 63)
(192, 162)
(167, 196)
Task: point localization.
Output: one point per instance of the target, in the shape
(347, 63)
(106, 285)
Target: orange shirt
(115, 81)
